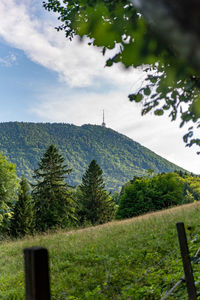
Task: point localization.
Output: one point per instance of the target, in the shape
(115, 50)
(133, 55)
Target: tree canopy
(120, 157)
(52, 196)
(8, 191)
(96, 206)
(158, 36)
(144, 194)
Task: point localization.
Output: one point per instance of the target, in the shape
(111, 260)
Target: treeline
(50, 202)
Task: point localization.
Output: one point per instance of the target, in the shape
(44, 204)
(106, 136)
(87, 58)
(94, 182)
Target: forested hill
(120, 157)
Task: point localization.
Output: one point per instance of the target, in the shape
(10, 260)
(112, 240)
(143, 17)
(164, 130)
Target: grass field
(137, 258)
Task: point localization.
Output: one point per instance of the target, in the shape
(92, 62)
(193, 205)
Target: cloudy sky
(45, 78)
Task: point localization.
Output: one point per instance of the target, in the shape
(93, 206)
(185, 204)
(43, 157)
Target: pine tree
(22, 222)
(96, 206)
(54, 206)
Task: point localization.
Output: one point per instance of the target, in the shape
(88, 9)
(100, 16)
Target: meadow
(137, 258)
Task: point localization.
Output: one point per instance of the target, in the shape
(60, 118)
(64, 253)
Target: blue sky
(45, 78)
(21, 82)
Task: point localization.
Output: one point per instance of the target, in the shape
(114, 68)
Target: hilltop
(120, 157)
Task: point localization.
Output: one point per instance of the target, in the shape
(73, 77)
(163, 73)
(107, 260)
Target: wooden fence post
(36, 273)
(186, 261)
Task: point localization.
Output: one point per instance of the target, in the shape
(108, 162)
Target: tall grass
(137, 258)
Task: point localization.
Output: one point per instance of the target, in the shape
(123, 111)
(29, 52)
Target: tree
(95, 205)
(159, 36)
(146, 194)
(22, 221)
(8, 191)
(135, 199)
(54, 206)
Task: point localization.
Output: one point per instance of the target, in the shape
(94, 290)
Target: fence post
(36, 273)
(186, 261)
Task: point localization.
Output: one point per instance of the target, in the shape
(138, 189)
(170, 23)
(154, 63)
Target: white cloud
(76, 63)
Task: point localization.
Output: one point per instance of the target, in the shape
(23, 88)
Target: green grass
(137, 258)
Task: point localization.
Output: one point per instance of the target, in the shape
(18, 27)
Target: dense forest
(120, 157)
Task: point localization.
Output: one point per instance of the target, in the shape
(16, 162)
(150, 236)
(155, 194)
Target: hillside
(120, 157)
(133, 259)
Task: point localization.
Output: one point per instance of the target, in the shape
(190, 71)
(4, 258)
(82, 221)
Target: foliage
(54, 206)
(112, 25)
(120, 157)
(22, 221)
(95, 205)
(8, 191)
(146, 194)
(172, 83)
(139, 257)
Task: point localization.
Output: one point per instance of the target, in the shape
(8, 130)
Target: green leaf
(138, 98)
(158, 112)
(132, 97)
(166, 107)
(147, 91)
(109, 63)
(153, 79)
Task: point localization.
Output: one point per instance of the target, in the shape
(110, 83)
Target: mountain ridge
(120, 157)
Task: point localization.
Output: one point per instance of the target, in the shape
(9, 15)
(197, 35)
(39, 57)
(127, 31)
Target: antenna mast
(103, 124)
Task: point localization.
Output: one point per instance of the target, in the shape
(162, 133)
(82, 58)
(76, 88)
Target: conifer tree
(54, 206)
(96, 205)
(22, 222)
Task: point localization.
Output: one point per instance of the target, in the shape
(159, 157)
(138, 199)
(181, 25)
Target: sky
(46, 78)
